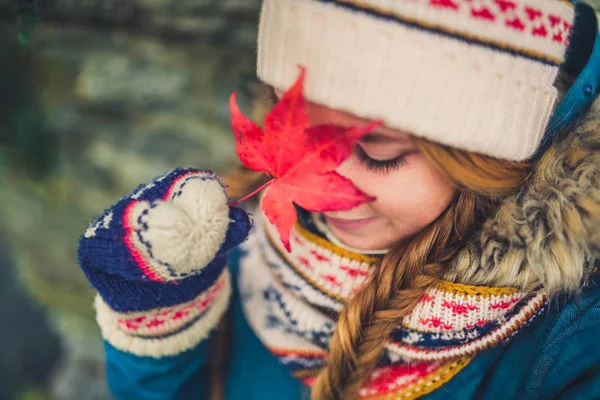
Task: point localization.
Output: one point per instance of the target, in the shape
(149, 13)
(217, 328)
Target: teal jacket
(557, 357)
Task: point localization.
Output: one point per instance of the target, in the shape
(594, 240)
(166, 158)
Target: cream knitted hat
(473, 74)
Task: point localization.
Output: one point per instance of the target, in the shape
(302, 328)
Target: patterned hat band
(473, 74)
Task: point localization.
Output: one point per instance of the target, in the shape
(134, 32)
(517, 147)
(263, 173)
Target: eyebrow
(379, 138)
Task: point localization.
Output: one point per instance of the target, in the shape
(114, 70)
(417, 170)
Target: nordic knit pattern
(408, 63)
(291, 301)
(158, 261)
(165, 331)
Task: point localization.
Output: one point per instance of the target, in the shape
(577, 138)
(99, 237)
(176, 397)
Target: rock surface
(108, 95)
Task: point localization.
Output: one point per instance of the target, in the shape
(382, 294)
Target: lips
(347, 224)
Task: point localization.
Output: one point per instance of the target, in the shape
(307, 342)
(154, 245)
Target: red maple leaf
(301, 160)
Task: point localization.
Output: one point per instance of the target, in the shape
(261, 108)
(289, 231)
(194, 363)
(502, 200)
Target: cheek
(414, 194)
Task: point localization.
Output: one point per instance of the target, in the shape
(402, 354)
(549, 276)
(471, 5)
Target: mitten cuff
(165, 331)
(124, 296)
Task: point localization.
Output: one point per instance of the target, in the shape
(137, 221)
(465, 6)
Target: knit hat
(473, 74)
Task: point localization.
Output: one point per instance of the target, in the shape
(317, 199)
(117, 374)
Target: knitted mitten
(158, 261)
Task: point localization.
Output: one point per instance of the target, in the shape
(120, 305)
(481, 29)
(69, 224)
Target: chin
(359, 242)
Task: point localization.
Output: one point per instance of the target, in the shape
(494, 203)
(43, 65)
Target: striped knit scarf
(291, 300)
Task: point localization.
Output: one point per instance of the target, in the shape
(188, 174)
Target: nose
(345, 168)
(350, 169)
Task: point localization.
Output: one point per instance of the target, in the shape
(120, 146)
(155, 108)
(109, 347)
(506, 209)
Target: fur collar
(548, 234)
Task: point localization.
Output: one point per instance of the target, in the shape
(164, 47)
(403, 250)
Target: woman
(471, 274)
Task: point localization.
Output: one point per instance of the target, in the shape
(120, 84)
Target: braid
(405, 273)
(396, 285)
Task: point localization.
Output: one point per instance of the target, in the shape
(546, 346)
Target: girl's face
(410, 193)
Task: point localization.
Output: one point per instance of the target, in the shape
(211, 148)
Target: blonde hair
(407, 271)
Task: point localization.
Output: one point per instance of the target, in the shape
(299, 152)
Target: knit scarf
(292, 300)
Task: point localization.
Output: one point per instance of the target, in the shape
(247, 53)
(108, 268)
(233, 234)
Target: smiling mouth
(348, 223)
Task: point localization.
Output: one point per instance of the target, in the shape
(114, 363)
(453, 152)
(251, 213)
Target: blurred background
(96, 97)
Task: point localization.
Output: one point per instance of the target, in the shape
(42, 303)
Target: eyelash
(383, 166)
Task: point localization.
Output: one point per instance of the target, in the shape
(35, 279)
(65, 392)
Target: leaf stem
(246, 197)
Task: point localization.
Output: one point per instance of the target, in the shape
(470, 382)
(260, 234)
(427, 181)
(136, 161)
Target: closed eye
(383, 166)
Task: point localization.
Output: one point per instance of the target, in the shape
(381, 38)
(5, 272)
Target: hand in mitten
(158, 260)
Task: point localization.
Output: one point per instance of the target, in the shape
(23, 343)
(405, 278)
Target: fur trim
(549, 233)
